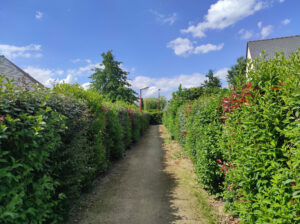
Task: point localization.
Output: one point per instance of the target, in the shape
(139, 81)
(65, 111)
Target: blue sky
(160, 42)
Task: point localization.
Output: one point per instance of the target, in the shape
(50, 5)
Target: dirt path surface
(141, 189)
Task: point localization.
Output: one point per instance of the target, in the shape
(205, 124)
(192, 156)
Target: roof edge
(22, 71)
(276, 38)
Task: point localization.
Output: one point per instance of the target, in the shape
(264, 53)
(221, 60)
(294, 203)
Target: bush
(53, 143)
(262, 133)
(156, 117)
(245, 147)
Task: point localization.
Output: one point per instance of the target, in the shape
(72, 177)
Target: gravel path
(136, 190)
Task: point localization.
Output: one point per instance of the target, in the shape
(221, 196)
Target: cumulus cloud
(225, 13)
(285, 21)
(185, 47)
(167, 85)
(169, 19)
(86, 85)
(49, 77)
(266, 31)
(245, 34)
(38, 15)
(28, 51)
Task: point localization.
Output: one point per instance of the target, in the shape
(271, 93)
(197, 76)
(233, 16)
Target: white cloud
(28, 51)
(77, 60)
(185, 47)
(166, 85)
(86, 85)
(170, 19)
(45, 76)
(38, 15)
(205, 48)
(285, 21)
(225, 13)
(245, 34)
(259, 24)
(222, 73)
(181, 46)
(281, 1)
(49, 77)
(266, 31)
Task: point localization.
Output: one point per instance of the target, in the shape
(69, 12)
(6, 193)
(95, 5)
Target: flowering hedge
(52, 145)
(245, 146)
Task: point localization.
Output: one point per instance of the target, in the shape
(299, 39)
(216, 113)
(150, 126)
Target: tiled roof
(287, 45)
(3, 58)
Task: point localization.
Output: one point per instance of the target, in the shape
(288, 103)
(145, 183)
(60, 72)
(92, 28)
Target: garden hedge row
(52, 145)
(245, 144)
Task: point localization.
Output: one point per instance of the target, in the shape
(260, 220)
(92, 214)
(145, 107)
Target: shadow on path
(137, 190)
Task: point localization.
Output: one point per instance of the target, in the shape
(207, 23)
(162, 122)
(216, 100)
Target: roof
(20, 70)
(287, 45)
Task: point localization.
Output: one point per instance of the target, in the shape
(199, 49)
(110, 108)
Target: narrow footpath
(139, 190)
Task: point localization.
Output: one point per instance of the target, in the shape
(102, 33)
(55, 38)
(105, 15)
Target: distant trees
(151, 103)
(212, 81)
(237, 73)
(111, 81)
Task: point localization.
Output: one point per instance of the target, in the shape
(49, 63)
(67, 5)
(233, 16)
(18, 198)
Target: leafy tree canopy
(111, 81)
(237, 73)
(151, 103)
(212, 82)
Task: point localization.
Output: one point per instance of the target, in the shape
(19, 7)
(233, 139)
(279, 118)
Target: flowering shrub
(264, 149)
(246, 145)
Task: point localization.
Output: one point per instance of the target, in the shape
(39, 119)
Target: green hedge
(245, 146)
(53, 143)
(156, 117)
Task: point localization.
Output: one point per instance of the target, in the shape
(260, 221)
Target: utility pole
(141, 97)
(158, 100)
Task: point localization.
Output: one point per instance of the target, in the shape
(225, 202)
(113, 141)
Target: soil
(153, 184)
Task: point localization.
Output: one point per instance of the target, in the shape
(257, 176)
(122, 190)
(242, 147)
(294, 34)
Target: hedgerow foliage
(245, 146)
(53, 143)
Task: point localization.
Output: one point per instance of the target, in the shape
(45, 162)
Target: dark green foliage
(237, 73)
(156, 118)
(52, 145)
(111, 81)
(212, 82)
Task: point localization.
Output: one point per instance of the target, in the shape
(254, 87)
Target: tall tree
(111, 81)
(237, 74)
(212, 82)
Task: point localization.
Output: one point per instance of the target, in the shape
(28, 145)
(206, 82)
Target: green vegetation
(111, 80)
(53, 144)
(245, 142)
(237, 73)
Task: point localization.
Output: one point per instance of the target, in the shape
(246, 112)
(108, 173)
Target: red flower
(293, 184)
(281, 83)
(232, 134)
(219, 161)
(2, 118)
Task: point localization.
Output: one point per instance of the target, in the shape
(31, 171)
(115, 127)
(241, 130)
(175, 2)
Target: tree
(212, 82)
(111, 81)
(237, 72)
(151, 103)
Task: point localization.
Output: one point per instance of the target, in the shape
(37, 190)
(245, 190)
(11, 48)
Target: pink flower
(2, 118)
(219, 161)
